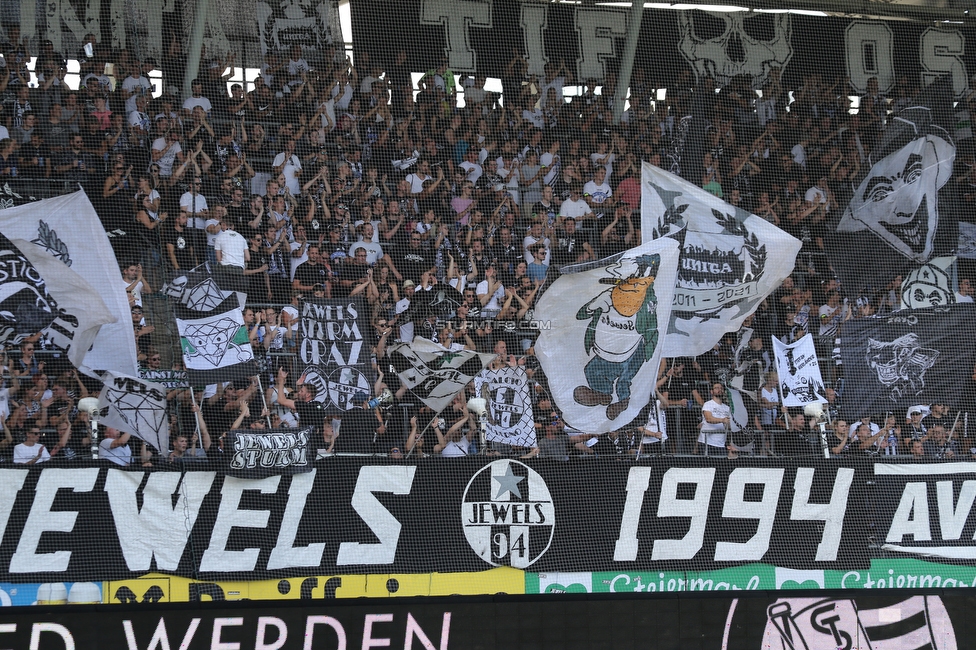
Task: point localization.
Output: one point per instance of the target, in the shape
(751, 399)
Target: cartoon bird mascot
(621, 336)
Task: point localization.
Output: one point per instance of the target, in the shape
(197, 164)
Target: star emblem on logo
(508, 483)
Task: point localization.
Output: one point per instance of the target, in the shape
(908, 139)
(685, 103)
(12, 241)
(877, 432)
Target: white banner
(135, 406)
(730, 259)
(800, 381)
(67, 228)
(509, 414)
(603, 328)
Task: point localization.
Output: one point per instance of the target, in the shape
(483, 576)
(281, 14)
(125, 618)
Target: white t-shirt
(166, 162)
(417, 181)
(136, 291)
(24, 454)
(121, 455)
(497, 299)
(191, 102)
(575, 209)
(193, 205)
(231, 246)
(297, 261)
(598, 193)
(373, 251)
(714, 434)
(292, 169)
(138, 86)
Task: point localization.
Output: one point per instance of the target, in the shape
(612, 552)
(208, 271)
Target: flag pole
(264, 401)
(196, 423)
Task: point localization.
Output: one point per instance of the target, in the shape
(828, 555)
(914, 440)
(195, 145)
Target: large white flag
(135, 406)
(510, 419)
(602, 328)
(798, 370)
(434, 374)
(67, 229)
(730, 259)
(77, 313)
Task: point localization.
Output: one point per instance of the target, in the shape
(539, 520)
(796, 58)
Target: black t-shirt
(181, 247)
(357, 431)
(568, 248)
(309, 274)
(310, 413)
(413, 262)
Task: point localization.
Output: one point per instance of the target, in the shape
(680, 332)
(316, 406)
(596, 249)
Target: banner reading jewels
(366, 515)
(334, 348)
(253, 453)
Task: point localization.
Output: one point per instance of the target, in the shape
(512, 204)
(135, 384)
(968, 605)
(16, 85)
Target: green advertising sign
(883, 574)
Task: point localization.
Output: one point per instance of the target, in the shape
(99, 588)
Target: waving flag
(434, 374)
(215, 344)
(903, 212)
(911, 357)
(67, 229)
(798, 370)
(730, 259)
(510, 419)
(135, 406)
(600, 345)
(38, 293)
(197, 289)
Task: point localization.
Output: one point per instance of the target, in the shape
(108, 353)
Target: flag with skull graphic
(903, 212)
(910, 357)
(215, 344)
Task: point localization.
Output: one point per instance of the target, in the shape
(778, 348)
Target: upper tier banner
(366, 515)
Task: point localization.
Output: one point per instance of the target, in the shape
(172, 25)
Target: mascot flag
(730, 259)
(800, 381)
(900, 216)
(215, 344)
(602, 348)
(910, 357)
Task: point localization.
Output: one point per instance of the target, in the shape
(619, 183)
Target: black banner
(334, 348)
(910, 357)
(481, 36)
(255, 453)
(896, 621)
(355, 515)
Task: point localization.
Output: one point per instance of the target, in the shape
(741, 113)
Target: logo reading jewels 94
(508, 514)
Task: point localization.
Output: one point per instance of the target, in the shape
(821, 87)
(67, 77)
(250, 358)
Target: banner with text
(335, 340)
(677, 514)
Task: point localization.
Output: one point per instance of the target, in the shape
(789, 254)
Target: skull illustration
(725, 45)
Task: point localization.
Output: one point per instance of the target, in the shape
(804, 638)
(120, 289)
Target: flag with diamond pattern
(134, 406)
(215, 344)
(432, 373)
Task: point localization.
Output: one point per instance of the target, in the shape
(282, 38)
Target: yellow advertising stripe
(174, 589)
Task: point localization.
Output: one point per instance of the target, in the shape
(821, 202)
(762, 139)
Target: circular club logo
(508, 514)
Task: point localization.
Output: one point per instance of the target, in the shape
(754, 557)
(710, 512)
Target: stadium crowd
(328, 179)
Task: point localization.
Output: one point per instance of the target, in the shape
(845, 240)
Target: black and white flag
(135, 406)
(910, 357)
(900, 216)
(197, 289)
(215, 344)
(256, 453)
(798, 370)
(39, 294)
(334, 351)
(432, 373)
(509, 416)
(67, 229)
(730, 259)
(933, 284)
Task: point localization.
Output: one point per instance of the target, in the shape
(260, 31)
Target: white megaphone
(89, 405)
(479, 406)
(816, 410)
